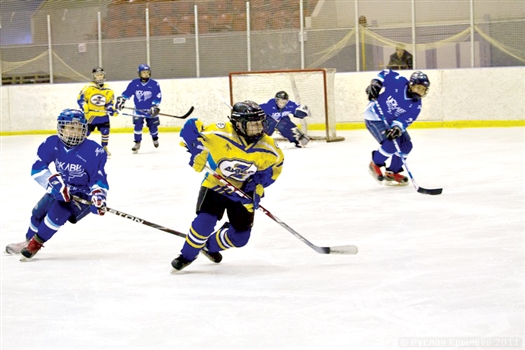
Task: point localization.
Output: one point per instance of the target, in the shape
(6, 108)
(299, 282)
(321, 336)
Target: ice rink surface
(441, 267)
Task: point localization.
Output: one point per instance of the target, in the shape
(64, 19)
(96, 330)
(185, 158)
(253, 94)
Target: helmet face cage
(144, 72)
(419, 84)
(72, 127)
(281, 99)
(249, 120)
(99, 75)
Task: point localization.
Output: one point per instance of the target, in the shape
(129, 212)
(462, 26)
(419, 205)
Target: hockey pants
(152, 124)
(49, 215)
(388, 149)
(286, 128)
(210, 209)
(104, 131)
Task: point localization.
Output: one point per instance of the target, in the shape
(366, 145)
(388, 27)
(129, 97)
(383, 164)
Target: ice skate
(375, 171)
(32, 248)
(136, 148)
(156, 143)
(180, 263)
(395, 179)
(215, 257)
(107, 151)
(16, 248)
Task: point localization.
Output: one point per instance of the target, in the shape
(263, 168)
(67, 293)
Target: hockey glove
(199, 156)
(259, 192)
(256, 198)
(59, 189)
(120, 103)
(154, 111)
(111, 112)
(393, 133)
(302, 111)
(262, 177)
(98, 200)
(193, 141)
(373, 89)
(85, 108)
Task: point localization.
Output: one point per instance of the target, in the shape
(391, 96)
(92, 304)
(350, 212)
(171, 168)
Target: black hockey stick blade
(342, 249)
(398, 149)
(432, 192)
(188, 113)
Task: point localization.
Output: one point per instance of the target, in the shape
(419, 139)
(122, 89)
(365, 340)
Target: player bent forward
(400, 102)
(278, 111)
(80, 164)
(241, 152)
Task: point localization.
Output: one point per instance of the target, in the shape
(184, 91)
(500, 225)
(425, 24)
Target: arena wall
(457, 98)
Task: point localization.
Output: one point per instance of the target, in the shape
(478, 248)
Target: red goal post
(311, 87)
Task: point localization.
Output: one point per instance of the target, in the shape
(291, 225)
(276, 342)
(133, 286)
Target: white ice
(429, 267)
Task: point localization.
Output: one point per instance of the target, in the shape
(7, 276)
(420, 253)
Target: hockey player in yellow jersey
(241, 152)
(96, 99)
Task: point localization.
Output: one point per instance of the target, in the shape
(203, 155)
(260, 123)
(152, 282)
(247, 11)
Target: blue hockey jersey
(81, 167)
(272, 110)
(145, 95)
(398, 108)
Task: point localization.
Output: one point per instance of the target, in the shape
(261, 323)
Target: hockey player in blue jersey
(146, 97)
(278, 111)
(400, 104)
(241, 152)
(79, 163)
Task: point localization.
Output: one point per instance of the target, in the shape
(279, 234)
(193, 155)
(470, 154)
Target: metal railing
(184, 39)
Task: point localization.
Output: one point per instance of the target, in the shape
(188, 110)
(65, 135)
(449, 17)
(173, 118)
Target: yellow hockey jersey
(96, 102)
(231, 157)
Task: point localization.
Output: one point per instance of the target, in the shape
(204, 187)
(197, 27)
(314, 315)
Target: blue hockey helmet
(144, 72)
(248, 120)
(72, 127)
(99, 76)
(281, 99)
(418, 85)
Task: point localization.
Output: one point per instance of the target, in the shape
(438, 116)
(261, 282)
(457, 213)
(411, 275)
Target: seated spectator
(401, 59)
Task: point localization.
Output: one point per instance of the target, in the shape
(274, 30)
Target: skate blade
(24, 259)
(11, 251)
(395, 183)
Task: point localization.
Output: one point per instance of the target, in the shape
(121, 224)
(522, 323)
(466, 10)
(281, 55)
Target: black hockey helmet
(418, 85)
(281, 99)
(248, 120)
(99, 76)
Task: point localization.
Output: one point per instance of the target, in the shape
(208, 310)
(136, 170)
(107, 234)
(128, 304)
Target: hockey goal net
(311, 87)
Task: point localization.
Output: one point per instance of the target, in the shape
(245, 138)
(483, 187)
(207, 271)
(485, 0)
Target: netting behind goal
(311, 87)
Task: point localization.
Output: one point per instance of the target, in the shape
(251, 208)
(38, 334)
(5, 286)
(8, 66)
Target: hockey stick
(422, 190)
(344, 249)
(133, 218)
(226, 102)
(134, 115)
(188, 113)
(122, 113)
